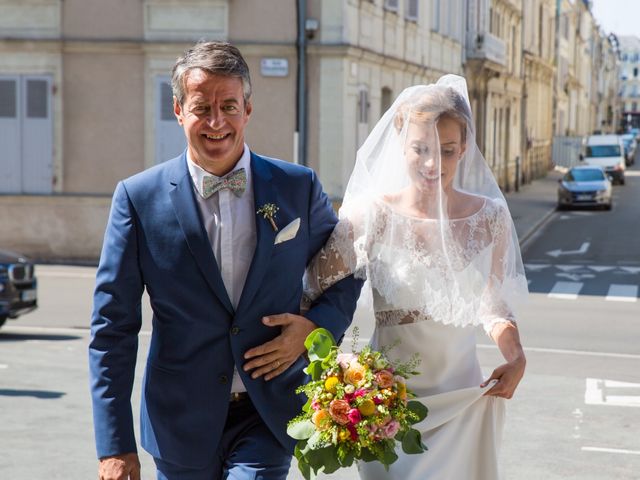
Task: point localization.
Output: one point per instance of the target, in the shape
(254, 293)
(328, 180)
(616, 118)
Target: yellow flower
(355, 374)
(344, 435)
(402, 391)
(330, 385)
(321, 419)
(367, 407)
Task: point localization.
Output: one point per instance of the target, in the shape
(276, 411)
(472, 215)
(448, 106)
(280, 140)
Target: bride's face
(428, 168)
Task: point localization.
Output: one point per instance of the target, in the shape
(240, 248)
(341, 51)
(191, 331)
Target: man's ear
(177, 110)
(248, 108)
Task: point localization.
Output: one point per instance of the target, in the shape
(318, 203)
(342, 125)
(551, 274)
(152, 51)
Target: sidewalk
(533, 204)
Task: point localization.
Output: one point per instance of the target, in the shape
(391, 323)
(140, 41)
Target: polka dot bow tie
(236, 181)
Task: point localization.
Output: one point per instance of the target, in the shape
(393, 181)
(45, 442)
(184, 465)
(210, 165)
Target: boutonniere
(268, 211)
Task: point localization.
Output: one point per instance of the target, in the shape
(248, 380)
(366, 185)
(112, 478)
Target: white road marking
(599, 391)
(600, 268)
(569, 268)
(52, 273)
(566, 290)
(611, 450)
(536, 267)
(575, 277)
(631, 269)
(581, 251)
(622, 293)
(560, 351)
(3, 366)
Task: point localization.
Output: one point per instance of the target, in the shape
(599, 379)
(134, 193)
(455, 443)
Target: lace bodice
(412, 277)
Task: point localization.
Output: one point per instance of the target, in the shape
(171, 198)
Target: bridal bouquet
(357, 408)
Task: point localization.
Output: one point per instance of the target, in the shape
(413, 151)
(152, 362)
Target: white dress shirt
(230, 224)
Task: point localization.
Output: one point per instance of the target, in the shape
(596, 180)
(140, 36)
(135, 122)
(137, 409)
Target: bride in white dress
(425, 223)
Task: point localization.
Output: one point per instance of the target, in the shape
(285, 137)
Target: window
(169, 136)
(363, 107)
(635, 72)
(412, 10)
(385, 100)
(435, 15)
(391, 5)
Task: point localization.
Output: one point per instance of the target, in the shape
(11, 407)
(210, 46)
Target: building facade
(629, 88)
(85, 99)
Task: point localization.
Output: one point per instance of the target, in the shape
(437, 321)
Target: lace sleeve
(506, 282)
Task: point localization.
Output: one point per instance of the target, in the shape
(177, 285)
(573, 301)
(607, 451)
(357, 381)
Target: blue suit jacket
(155, 239)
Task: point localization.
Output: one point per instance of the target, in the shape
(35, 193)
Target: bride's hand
(508, 376)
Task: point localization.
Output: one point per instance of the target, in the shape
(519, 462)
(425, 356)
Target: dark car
(585, 186)
(18, 286)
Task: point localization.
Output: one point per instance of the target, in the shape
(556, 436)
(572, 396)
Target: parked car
(18, 286)
(606, 151)
(630, 144)
(585, 186)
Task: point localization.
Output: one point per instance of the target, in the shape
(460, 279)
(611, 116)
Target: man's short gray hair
(215, 58)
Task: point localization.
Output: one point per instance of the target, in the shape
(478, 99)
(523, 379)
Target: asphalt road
(575, 415)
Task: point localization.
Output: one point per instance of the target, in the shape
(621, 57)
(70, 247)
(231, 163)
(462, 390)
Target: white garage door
(26, 134)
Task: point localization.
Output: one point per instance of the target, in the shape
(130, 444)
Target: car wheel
(608, 206)
(2, 320)
(622, 181)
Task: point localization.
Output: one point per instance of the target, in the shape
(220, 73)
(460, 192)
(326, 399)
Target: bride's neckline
(389, 207)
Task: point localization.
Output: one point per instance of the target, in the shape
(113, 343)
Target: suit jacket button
(235, 330)
(223, 379)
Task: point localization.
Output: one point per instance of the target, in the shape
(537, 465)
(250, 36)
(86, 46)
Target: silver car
(585, 186)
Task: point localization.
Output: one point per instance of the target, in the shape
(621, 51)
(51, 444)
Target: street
(576, 413)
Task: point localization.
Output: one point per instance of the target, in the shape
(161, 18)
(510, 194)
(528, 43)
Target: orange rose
(384, 378)
(339, 409)
(354, 375)
(321, 419)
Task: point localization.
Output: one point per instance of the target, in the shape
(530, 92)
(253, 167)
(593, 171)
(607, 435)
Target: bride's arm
(499, 321)
(507, 337)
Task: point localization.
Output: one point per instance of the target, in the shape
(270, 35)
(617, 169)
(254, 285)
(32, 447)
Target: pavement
(533, 204)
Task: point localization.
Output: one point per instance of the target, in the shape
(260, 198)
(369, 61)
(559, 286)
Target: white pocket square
(288, 232)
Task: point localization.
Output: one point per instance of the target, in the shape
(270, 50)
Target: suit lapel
(187, 212)
(263, 192)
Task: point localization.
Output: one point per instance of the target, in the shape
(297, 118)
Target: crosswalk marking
(622, 293)
(566, 290)
(631, 269)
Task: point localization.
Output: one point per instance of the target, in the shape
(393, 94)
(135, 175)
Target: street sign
(274, 67)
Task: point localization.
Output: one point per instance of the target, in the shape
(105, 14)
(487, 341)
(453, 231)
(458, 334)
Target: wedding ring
(277, 363)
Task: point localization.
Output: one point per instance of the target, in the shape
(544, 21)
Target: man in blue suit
(220, 238)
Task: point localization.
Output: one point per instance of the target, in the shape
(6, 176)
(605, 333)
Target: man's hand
(119, 467)
(274, 357)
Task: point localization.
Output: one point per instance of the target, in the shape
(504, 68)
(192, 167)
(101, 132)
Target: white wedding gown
(463, 429)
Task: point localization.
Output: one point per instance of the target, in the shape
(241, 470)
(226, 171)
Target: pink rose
(384, 378)
(361, 392)
(338, 410)
(354, 415)
(390, 429)
(316, 405)
(353, 432)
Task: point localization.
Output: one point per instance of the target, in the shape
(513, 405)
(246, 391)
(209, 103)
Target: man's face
(214, 116)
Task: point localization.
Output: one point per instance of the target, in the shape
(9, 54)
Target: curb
(539, 224)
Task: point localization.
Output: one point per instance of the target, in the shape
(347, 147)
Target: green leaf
(306, 406)
(367, 455)
(324, 460)
(319, 343)
(412, 442)
(314, 370)
(388, 456)
(301, 430)
(419, 409)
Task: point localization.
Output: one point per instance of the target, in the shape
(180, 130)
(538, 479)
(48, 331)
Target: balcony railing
(487, 46)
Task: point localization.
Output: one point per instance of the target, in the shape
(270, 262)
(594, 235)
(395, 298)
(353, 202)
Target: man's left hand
(274, 357)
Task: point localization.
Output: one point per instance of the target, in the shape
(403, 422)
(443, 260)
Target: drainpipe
(301, 101)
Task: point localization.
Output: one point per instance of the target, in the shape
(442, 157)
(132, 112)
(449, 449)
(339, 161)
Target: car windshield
(603, 151)
(584, 175)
